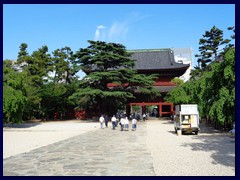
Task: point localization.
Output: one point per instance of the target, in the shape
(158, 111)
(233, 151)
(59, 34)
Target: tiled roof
(156, 59)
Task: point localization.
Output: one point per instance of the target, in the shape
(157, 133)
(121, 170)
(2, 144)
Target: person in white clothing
(134, 124)
(101, 120)
(144, 117)
(122, 123)
(126, 124)
(114, 119)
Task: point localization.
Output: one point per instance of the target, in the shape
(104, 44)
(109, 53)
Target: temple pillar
(143, 109)
(128, 110)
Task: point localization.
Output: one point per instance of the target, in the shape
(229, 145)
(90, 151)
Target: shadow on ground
(28, 124)
(221, 145)
(172, 132)
(23, 125)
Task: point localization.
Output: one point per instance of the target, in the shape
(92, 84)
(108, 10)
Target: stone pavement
(102, 152)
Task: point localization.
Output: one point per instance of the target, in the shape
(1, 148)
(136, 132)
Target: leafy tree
(23, 52)
(106, 63)
(13, 94)
(36, 74)
(13, 104)
(7, 63)
(223, 82)
(178, 81)
(209, 46)
(64, 66)
(177, 96)
(233, 29)
(55, 99)
(196, 73)
(39, 83)
(212, 90)
(199, 92)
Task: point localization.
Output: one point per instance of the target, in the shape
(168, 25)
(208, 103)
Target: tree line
(48, 83)
(212, 82)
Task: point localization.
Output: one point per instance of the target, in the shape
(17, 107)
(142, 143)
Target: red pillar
(172, 108)
(144, 109)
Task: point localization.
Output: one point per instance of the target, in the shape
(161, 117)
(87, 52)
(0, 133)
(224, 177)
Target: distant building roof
(156, 59)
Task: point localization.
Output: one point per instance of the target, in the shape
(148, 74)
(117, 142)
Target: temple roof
(156, 59)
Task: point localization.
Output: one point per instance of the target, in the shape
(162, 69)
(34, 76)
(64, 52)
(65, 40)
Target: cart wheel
(175, 130)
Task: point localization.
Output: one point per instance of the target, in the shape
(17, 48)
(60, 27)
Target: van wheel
(196, 132)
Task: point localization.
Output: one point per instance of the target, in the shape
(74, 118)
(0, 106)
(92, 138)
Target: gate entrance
(155, 109)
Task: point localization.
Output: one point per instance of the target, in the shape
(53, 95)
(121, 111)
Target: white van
(186, 118)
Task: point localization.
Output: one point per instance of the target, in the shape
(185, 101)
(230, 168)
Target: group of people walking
(123, 121)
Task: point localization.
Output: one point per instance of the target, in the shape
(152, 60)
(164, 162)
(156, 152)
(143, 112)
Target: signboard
(189, 109)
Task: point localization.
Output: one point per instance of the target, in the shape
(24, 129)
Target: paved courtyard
(152, 150)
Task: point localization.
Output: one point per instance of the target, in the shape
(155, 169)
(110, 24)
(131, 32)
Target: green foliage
(212, 87)
(13, 95)
(64, 66)
(7, 63)
(13, 104)
(43, 94)
(178, 81)
(196, 73)
(54, 99)
(233, 36)
(106, 63)
(33, 93)
(22, 54)
(213, 91)
(209, 46)
(178, 96)
(136, 108)
(223, 81)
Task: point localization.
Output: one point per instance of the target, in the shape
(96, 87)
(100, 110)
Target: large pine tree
(106, 63)
(209, 46)
(63, 66)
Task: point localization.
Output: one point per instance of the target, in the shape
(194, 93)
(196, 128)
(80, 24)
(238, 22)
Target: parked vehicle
(186, 118)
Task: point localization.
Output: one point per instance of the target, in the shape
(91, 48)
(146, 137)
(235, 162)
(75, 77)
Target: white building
(184, 55)
(18, 67)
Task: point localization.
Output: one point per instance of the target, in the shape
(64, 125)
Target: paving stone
(102, 152)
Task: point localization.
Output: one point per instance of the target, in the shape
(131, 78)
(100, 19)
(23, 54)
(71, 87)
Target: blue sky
(135, 26)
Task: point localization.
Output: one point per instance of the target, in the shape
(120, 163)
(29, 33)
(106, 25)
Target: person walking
(113, 122)
(116, 122)
(126, 124)
(106, 121)
(122, 123)
(144, 117)
(134, 124)
(138, 116)
(101, 120)
(118, 117)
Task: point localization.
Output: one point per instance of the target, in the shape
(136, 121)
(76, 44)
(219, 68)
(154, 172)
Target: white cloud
(101, 27)
(98, 33)
(118, 30)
